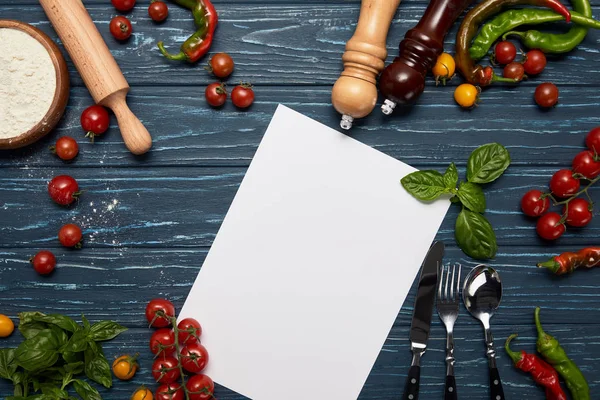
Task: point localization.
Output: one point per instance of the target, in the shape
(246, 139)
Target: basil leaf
(39, 352)
(451, 177)
(71, 357)
(86, 323)
(85, 390)
(8, 364)
(34, 397)
(32, 328)
(62, 321)
(50, 390)
(96, 365)
(106, 330)
(487, 163)
(475, 235)
(471, 196)
(78, 342)
(74, 368)
(424, 185)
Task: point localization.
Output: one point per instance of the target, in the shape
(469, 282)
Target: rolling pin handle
(388, 106)
(135, 135)
(346, 122)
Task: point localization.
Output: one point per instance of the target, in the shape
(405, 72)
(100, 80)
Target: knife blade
(421, 320)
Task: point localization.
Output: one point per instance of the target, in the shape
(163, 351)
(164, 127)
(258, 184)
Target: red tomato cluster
(178, 351)
(565, 187)
(221, 65)
(120, 26)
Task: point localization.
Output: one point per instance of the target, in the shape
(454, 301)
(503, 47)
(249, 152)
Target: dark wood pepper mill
(403, 81)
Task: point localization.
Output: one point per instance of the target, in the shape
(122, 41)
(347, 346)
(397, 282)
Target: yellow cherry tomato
(125, 367)
(6, 326)
(444, 68)
(142, 394)
(466, 95)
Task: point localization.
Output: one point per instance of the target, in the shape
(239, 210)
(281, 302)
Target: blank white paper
(311, 265)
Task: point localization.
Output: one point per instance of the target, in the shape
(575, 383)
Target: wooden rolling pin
(354, 95)
(97, 67)
(403, 81)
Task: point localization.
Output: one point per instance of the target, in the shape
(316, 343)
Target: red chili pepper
(568, 261)
(541, 372)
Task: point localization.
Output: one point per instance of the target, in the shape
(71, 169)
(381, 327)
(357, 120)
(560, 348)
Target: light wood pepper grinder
(354, 95)
(97, 67)
(403, 81)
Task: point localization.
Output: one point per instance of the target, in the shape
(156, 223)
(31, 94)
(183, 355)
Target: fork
(447, 307)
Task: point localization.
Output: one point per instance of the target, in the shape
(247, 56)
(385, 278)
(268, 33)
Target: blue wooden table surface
(149, 221)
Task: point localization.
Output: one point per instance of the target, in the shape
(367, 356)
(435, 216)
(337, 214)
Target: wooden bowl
(61, 94)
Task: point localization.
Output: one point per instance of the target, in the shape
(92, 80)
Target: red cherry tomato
(579, 212)
(549, 226)
(158, 11)
(70, 235)
(123, 5)
(221, 65)
(63, 189)
(171, 391)
(533, 204)
(563, 184)
(159, 312)
(95, 121)
(584, 164)
(505, 52)
(194, 358)
(66, 148)
(189, 330)
(242, 95)
(215, 94)
(535, 62)
(546, 95)
(162, 342)
(514, 70)
(592, 140)
(120, 27)
(166, 370)
(43, 262)
(200, 387)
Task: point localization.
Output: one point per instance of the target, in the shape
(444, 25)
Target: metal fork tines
(448, 296)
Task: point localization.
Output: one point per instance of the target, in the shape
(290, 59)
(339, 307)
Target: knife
(421, 320)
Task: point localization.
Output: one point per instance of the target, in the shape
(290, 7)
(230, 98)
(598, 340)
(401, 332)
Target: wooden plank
(286, 44)
(187, 132)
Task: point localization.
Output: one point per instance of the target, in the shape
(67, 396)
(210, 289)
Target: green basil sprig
(474, 234)
(55, 352)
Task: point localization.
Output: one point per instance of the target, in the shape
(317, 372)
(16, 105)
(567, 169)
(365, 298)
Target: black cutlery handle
(496, 391)
(411, 389)
(450, 393)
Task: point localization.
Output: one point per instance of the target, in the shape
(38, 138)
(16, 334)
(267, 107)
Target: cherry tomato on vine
(549, 226)
(166, 370)
(171, 391)
(466, 95)
(200, 387)
(585, 164)
(142, 394)
(70, 235)
(592, 140)
(505, 52)
(534, 204)
(43, 262)
(125, 367)
(189, 330)
(6, 326)
(66, 148)
(546, 95)
(535, 62)
(578, 212)
(120, 27)
(221, 65)
(162, 342)
(562, 183)
(123, 5)
(159, 312)
(215, 94)
(514, 70)
(194, 358)
(63, 189)
(444, 68)
(94, 121)
(242, 95)
(158, 11)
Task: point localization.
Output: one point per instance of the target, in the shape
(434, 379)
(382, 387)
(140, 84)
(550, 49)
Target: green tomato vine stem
(566, 202)
(177, 349)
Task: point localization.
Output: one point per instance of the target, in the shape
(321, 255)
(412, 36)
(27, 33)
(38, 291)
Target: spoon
(482, 293)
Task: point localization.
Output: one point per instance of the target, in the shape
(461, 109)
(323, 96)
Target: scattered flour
(27, 82)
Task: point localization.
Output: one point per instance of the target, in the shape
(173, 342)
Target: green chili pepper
(555, 355)
(503, 23)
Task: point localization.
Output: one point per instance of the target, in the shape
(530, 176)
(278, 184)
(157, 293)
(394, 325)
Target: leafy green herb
(105, 330)
(473, 232)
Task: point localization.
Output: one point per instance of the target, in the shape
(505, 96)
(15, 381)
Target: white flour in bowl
(27, 82)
